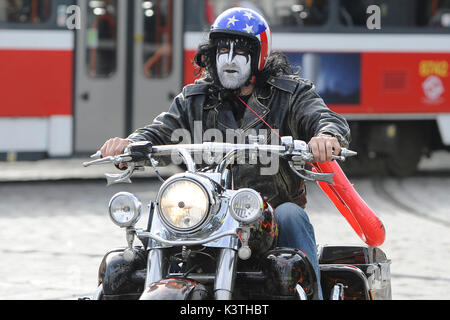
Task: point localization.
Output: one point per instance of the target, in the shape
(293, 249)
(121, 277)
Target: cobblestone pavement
(55, 233)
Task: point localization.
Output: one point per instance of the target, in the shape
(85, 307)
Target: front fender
(175, 289)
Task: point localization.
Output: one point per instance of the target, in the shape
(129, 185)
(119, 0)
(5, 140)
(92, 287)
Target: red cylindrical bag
(358, 214)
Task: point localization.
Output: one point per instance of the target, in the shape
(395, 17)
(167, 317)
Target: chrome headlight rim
(205, 185)
(255, 217)
(137, 209)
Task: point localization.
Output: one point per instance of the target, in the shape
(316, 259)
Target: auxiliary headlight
(246, 205)
(124, 209)
(184, 205)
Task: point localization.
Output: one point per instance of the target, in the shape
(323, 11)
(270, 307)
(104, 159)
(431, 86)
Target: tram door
(128, 67)
(158, 58)
(100, 71)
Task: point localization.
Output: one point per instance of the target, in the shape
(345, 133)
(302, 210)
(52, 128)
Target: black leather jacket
(288, 104)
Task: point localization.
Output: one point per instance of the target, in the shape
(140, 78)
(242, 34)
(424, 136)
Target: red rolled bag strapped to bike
(355, 210)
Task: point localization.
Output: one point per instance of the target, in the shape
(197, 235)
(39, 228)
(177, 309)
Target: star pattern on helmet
(242, 20)
(232, 20)
(249, 15)
(248, 29)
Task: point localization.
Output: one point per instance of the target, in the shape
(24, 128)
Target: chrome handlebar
(296, 152)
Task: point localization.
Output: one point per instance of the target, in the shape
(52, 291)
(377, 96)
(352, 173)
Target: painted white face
(233, 66)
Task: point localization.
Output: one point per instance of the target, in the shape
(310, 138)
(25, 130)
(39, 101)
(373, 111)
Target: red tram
(66, 85)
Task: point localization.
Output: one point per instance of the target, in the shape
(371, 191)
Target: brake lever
(299, 153)
(310, 175)
(113, 178)
(134, 162)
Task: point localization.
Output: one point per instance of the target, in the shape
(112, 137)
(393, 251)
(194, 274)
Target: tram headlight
(125, 209)
(246, 205)
(184, 204)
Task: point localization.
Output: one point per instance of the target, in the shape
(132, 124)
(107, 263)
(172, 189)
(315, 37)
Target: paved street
(54, 233)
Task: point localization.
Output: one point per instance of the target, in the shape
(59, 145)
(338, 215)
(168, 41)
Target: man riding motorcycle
(247, 86)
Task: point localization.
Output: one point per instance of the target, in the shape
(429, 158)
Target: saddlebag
(363, 271)
(122, 276)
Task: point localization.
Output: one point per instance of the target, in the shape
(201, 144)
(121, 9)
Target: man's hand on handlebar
(324, 147)
(114, 147)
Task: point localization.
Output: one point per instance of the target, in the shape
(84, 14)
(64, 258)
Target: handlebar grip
(347, 153)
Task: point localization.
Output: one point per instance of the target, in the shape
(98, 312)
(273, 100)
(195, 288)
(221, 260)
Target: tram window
(101, 38)
(438, 14)
(157, 46)
(398, 13)
(281, 13)
(25, 11)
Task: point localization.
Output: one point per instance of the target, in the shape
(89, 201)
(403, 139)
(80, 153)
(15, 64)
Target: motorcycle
(206, 240)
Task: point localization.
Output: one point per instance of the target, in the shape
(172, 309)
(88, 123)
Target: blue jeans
(295, 231)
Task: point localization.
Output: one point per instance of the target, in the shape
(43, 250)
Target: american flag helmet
(245, 22)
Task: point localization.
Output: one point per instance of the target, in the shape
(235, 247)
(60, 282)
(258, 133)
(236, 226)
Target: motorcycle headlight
(124, 209)
(184, 204)
(246, 205)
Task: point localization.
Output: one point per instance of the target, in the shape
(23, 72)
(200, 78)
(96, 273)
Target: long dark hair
(205, 65)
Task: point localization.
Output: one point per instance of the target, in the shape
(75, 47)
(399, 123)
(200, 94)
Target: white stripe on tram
(327, 42)
(36, 39)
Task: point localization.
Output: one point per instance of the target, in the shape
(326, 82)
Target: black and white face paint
(233, 64)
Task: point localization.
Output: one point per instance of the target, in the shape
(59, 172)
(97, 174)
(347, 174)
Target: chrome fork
(225, 271)
(156, 266)
(225, 274)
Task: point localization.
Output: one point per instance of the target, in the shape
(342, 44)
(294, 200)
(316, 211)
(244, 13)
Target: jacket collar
(259, 110)
(258, 102)
(285, 83)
